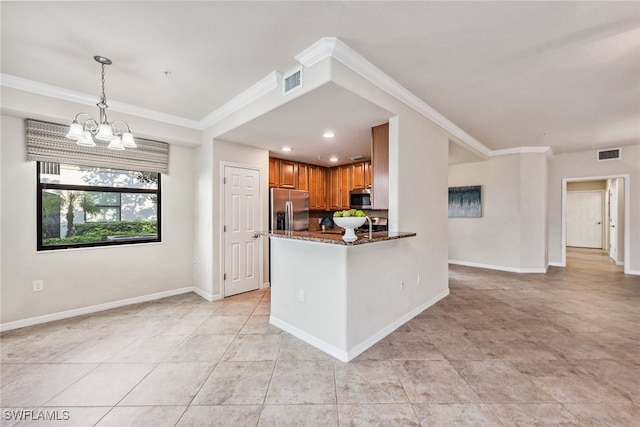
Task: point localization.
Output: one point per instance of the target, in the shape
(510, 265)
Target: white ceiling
(510, 74)
(301, 123)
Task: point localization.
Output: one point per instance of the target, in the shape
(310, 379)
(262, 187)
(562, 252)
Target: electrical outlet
(38, 285)
(419, 279)
(302, 296)
(402, 286)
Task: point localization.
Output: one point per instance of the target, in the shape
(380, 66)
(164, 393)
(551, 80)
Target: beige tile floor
(503, 349)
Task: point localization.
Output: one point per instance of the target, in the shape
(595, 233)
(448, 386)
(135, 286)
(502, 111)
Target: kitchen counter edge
(336, 238)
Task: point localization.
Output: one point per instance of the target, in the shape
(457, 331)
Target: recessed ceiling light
(328, 134)
(333, 159)
(286, 149)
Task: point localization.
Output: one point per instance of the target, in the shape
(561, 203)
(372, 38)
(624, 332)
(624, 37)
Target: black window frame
(87, 188)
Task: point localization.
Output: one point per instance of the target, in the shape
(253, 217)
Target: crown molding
(25, 85)
(264, 86)
(335, 48)
(323, 48)
(522, 150)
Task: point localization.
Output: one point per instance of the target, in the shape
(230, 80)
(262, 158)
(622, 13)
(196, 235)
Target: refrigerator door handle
(288, 216)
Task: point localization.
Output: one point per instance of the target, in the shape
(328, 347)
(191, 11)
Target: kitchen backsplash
(316, 217)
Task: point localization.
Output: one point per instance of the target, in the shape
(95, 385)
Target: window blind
(46, 142)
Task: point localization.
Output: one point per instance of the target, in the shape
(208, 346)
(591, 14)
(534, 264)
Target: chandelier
(116, 133)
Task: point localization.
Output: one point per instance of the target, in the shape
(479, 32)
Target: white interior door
(613, 219)
(242, 220)
(584, 219)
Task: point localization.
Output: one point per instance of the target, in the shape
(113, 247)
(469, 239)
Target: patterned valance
(46, 142)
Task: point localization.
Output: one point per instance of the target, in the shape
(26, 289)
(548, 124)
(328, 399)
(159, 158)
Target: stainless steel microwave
(360, 199)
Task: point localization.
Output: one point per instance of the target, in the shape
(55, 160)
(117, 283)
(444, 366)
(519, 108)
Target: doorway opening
(595, 216)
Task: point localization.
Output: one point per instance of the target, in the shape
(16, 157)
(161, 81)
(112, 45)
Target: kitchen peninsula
(341, 297)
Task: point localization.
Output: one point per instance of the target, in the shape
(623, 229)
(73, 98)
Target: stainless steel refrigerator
(289, 210)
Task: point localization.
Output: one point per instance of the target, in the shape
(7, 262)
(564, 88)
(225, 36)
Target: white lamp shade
(76, 131)
(104, 133)
(127, 140)
(86, 140)
(115, 144)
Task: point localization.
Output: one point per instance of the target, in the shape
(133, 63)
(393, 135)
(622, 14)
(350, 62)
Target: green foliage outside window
(90, 232)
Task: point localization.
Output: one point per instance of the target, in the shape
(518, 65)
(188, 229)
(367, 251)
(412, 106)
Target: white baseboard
(310, 339)
(499, 267)
(369, 342)
(556, 264)
(206, 295)
(352, 353)
(633, 272)
(265, 285)
(94, 308)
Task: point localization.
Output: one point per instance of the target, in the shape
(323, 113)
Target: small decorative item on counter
(348, 213)
(326, 223)
(349, 220)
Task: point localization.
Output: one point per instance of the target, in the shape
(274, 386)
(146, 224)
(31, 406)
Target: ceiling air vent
(292, 80)
(611, 154)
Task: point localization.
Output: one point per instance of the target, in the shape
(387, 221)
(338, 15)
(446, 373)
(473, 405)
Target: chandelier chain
(104, 97)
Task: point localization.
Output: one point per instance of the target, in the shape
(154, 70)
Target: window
(81, 206)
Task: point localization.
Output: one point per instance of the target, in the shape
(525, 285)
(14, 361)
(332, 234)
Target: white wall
(80, 278)
(584, 165)
(511, 233)
(203, 221)
(533, 212)
(418, 153)
(619, 220)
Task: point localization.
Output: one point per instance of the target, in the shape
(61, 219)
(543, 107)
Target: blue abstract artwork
(465, 202)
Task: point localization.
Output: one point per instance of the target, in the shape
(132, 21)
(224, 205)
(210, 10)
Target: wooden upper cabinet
(357, 176)
(303, 176)
(380, 166)
(345, 186)
(274, 172)
(339, 187)
(317, 187)
(288, 174)
(361, 176)
(334, 188)
(367, 175)
(283, 174)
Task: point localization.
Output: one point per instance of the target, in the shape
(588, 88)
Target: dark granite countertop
(335, 237)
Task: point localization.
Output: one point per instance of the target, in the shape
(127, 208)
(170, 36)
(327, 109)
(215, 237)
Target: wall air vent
(292, 80)
(611, 154)
(357, 158)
